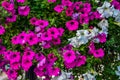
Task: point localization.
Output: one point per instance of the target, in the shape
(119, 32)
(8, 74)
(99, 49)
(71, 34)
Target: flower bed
(60, 39)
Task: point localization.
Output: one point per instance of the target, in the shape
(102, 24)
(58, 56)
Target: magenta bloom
(23, 10)
(29, 54)
(69, 11)
(8, 6)
(80, 60)
(53, 71)
(2, 30)
(7, 54)
(11, 18)
(69, 56)
(52, 1)
(42, 23)
(46, 37)
(32, 38)
(86, 7)
(102, 37)
(68, 47)
(2, 49)
(97, 15)
(116, 4)
(26, 63)
(72, 25)
(84, 19)
(67, 3)
(46, 45)
(39, 71)
(51, 57)
(61, 31)
(91, 48)
(39, 56)
(33, 20)
(70, 65)
(99, 53)
(56, 41)
(12, 74)
(22, 38)
(14, 57)
(59, 8)
(15, 65)
(53, 32)
(20, 1)
(77, 5)
(14, 40)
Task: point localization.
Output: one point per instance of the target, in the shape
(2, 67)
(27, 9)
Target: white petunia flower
(117, 19)
(63, 76)
(103, 23)
(82, 36)
(116, 12)
(93, 33)
(82, 39)
(88, 76)
(82, 33)
(105, 10)
(74, 41)
(118, 71)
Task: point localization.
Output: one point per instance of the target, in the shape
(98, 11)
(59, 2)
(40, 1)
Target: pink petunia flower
(78, 5)
(2, 49)
(29, 54)
(59, 8)
(80, 60)
(69, 56)
(99, 53)
(53, 71)
(39, 71)
(12, 74)
(39, 56)
(20, 1)
(33, 21)
(69, 11)
(23, 10)
(116, 4)
(53, 32)
(84, 19)
(72, 25)
(15, 65)
(61, 31)
(2, 30)
(91, 48)
(32, 38)
(46, 37)
(11, 18)
(51, 57)
(70, 65)
(56, 41)
(67, 3)
(26, 63)
(14, 57)
(102, 37)
(68, 47)
(7, 54)
(22, 38)
(46, 45)
(42, 23)
(8, 6)
(15, 40)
